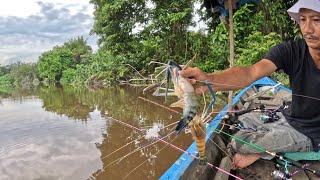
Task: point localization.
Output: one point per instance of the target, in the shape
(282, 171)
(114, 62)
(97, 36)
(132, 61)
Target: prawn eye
(173, 63)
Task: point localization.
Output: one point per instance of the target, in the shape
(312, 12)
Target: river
(78, 133)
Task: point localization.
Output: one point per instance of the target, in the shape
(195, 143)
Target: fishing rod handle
(249, 110)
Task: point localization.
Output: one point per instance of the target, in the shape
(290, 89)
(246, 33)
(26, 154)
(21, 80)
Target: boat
(264, 92)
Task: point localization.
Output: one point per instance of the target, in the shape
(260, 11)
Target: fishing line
(120, 148)
(175, 123)
(149, 144)
(299, 95)
(293, 94)
(169, 109)
(245, 142)
(211, 165)
(273, 154)
(136, 150)
(133, 140)
(180, 114)
(216, 143)
(149, 158)
(229, 156)
(161, 139)
(214, 83)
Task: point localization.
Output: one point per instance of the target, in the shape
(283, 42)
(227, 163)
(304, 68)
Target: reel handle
(299, 165)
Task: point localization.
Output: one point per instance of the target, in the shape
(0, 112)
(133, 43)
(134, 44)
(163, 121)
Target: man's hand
(193, 75)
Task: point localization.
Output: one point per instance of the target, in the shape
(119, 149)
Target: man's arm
(232, 78)
(240, 77)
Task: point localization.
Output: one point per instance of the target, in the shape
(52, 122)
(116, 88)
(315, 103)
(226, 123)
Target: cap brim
(307, 4)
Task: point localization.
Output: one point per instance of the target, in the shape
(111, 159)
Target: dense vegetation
(134, 33)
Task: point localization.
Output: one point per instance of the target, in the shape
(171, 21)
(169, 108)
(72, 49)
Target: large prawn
(188, 102)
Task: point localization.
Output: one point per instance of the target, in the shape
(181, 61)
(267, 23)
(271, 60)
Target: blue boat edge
(184, 161)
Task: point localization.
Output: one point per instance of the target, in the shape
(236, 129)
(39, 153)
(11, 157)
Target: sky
(30, 27)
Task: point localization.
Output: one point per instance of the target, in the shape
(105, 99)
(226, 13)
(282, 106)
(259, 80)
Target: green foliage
(103, 68)
(23, 73)
(257, 29)
(136, 32)
(52, 63)
(220, 47)
(276, 18)
(163, 31)
(106, 62)
(78, 46)
(6, 82)
(243, 21)
(4, 70)
(202, 47)
(61, 61)
(266, 17)
(281, 77)
(115, 23)
(68, 76)
(256, 47)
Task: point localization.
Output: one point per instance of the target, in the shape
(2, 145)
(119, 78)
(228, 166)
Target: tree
(51, 64)
(79, 47)
(23, 73)
(115, 22)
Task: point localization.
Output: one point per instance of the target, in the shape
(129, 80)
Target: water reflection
(67, 133)
(36, 144)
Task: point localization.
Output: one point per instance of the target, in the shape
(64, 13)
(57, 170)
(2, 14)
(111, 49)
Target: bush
(6, 81)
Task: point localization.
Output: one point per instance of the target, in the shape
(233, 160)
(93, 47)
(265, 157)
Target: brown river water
(62, 133)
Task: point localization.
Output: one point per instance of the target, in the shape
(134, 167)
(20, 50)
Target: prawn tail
(201, 148)
(203, 160)
(198, 131)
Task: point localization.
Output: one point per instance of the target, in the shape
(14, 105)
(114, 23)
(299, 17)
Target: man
(300, 129)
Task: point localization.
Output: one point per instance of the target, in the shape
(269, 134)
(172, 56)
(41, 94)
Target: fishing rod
(279, 174)
(269, 116)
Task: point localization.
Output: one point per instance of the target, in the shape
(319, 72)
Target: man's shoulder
(292, 47)
(286, 54)
(301, 43)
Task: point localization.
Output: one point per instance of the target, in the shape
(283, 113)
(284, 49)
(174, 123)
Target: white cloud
(30, 27)
(26, 8)
(49, 146)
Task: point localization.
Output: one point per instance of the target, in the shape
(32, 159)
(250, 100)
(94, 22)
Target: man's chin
(313, 45)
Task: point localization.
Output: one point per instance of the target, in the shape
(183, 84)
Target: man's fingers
(192, 81)
(187, 72)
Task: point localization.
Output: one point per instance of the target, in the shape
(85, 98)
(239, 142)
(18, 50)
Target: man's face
(310, 27)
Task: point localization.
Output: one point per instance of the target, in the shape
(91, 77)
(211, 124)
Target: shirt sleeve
(280, 55)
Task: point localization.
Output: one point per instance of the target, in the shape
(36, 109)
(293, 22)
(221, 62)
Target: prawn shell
(198, 132)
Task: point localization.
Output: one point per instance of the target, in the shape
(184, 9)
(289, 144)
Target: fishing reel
(232, 118)
(269, 116)
(280, 175)
(283, 174)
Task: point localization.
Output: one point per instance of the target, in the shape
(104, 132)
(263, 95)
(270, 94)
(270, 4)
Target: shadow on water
(67, 133)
